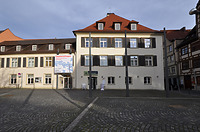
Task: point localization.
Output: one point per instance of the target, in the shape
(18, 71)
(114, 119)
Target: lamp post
(166, 67)
(90, 67)
(126, 63)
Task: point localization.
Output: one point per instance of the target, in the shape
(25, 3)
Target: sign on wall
(64, 64)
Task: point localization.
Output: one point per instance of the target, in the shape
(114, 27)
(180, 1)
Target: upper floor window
(133, 43)
(134, 60)
(103, 61)
(100, 26)
(184, 50)
(18, 48)
(170, 48)
(118, 61)
(173, 70)
(117, 26)
(87, 60)
(50, 46)
(133, 26)
(87, 42)
(147, 43)
(34, 47)
(103, 42)
(118, 42)
(148, 61)
(3, 48)
(185, 65)
(48, 61)
(31, 62)
(14, 62)
(67, 46)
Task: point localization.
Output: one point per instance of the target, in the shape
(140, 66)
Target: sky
(47, 19)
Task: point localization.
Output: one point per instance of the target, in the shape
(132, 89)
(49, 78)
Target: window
(103, 42)
(87, 61)
(172, 58)
(47, 78)
(170, 48)
(31, 62)
(118, 61)
(196, 63)
(129, 80)
(14, 62)
(117, 26)
(133, 43)
(184, 51)
(50, 46)
(87, 42)
(48, 61)
(13, 78)
(118, 42)
(3, 48)
(147, 43)
(148, 61)
(185, 65)
(30, 79)
(100, 26)
(173, 70)
(103, 61)
(111, 80)
(147, 80)
(133, 26)
(34, 47)
(18, 48)
(134, 60)
(198, 80)
(67, 46)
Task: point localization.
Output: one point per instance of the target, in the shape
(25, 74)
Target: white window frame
(100, 26)
(3, 48)
(87, 42)
(14, 62)
(170, 48)
(51, 46)
(148, 60)
(133, 26)
(31, 62)
(34, 47)
(13, 79)
(47, 79)
(134, 60)
(147, 80)
(147, 43)
(103, 42)
(68, 46)
(118, 42)
(117, 26)
(173, 69)
(87, 60)
(133, 43)
(118, 60)
(30, 78)
(103, 60)
(111, 80)
(48, 61)
(18, 48)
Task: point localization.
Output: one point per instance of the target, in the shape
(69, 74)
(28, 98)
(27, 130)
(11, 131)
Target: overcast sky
(41, 19)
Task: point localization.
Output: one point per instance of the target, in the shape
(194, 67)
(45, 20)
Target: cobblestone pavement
(53, 110)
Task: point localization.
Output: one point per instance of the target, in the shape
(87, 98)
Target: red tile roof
(176, 34)
(7, 35)
(108, 27)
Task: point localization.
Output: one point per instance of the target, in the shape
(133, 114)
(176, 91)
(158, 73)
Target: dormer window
(3, 48)
(67, 46)
(50, 46)
(117, 26)
(18, 48)
(100, 26)
(133, 26)
(34, 47)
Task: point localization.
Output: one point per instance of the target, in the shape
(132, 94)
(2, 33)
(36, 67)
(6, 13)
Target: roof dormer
(100, 25)
(133, 25)
(117, 25)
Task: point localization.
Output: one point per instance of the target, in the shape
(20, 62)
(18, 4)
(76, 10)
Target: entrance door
(94, 82)
(188, 83)
(67, 82)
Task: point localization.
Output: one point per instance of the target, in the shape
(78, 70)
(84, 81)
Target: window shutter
(53, 61)
(82, 42)
(36, 61)
(19, 62)
(141, 60)
(128, 42)
(41, 61)
(129, 61)
(124, 60)
(24, 62)
(95, 42)
(153, 41)
(154, 60)
(113, 42)
(123, 42)
(96, 60)
(8, 62)
(2, 62)
(82, 60)
(141, 43)
(109, 42)
(111, 60)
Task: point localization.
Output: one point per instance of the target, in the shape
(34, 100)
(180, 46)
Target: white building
(145, 54)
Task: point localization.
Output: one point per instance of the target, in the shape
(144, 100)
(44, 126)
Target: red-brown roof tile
(176, 34)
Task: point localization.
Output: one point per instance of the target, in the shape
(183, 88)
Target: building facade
(145, 54)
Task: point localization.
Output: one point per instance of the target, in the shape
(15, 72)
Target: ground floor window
(30, 78)
(129, 80)
(47, 78)
(13, 79)
(147, 80)
(198, 80)
(111, 80)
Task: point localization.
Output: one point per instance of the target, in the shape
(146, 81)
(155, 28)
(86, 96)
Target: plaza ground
(56, 110)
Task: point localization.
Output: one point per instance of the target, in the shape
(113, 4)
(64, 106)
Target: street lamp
(194, 11)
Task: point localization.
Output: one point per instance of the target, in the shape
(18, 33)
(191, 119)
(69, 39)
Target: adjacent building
(7, 35)
(145, 54)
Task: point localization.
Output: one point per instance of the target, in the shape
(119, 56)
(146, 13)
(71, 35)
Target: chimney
(108, 14)
(182, 29)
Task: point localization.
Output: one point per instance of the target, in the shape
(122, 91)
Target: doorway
(67, 82)
(94, 82)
